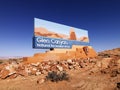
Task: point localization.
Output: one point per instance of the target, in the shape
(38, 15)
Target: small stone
(38, 73)
(35, 64)
(40, 81)
(60, 68)
(69, 61)
(43, 72)
(70, 67)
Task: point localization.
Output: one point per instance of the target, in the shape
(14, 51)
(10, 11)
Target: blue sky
(100, 17)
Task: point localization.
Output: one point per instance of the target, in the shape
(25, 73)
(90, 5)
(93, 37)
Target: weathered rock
(14, 75)
(13, 69)
(2, 66)
(40, 81)
(99, 64)
(60, 68)
(53, 68)
(43, 72)
(69, 61)
(33, 71)
(72, 34)
(35, 64)
(105, 62)
(71, 67)
(38, 73)
(118, 62)
(22, 73)
(4, 73)
(82, 65)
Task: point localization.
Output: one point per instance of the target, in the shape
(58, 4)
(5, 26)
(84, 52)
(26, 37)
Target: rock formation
(84, 39)
(62, 54)
(72, 34)
(41, 31)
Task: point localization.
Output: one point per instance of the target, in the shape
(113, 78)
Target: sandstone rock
(65, 66)
(118, 71)
(8, 70)
(33, 71)
(53, 68)
(60, 68)
(35, 64)
(4, 73)
(105, 62)
(22, 73)
(72, 34)
(71, 67)
(40, 81)
(99, 64)
(43, 72)
(27, 70)
(12, 76)
(82, 65)
(13, 69)
(46, 67)
(2, 66)
(70, 62)
(118, 62)
(38, 73)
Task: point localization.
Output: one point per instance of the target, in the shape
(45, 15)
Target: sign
(53, 35)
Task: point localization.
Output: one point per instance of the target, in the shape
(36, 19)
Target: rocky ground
(100, 73)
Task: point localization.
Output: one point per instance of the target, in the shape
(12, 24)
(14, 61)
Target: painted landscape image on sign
(53, 35)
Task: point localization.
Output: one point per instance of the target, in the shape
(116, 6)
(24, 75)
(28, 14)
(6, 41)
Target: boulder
(4, 73)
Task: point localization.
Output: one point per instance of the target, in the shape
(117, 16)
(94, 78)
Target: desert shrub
(57, 76)
(1, 61)
(106, 55)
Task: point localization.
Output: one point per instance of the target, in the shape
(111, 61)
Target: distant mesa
(44, 32)
(84, 39)
(72, 34)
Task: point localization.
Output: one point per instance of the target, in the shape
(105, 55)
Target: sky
(100, 17)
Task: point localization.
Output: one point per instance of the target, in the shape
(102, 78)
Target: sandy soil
(78, 81)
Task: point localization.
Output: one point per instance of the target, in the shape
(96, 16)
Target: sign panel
(53, 35)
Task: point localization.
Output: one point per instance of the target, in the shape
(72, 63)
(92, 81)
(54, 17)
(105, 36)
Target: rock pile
(14, 69)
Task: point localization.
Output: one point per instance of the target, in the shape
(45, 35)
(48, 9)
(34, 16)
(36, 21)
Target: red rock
(4, 73)
(1, 66)
(22, 73)
(72, 34)
(13, 76)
